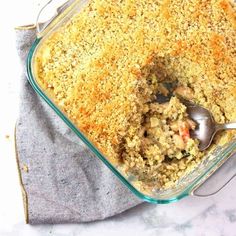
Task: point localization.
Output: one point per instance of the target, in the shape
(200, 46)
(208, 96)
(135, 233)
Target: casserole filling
(106, 65)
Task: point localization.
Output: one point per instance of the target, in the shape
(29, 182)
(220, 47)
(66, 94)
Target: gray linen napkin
(62, 181)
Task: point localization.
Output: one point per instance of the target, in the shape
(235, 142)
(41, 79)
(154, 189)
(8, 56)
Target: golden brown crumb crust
(96, 68)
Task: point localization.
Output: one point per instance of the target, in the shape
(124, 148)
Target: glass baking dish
(191, 184)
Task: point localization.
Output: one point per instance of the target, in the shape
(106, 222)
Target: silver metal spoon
(206, 125)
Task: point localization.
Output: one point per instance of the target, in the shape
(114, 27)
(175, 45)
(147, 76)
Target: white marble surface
(212, 216)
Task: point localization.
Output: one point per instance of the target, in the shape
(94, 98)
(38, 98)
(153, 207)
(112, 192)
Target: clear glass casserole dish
(192, 183)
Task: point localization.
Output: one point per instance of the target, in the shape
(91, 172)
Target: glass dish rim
(186, 192)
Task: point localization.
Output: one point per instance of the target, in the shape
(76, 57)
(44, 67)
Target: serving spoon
(206, 127)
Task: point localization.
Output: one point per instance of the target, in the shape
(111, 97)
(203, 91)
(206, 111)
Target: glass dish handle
(218, 180)
(47, 14)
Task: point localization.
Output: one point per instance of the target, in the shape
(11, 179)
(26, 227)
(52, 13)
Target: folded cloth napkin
(62, 181)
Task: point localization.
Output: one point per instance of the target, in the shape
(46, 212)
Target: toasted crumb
(25, 168)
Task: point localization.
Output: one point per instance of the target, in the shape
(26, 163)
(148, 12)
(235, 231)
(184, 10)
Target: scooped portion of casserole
(106, 65)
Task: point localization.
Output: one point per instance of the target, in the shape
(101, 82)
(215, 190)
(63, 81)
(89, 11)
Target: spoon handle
(226, 126)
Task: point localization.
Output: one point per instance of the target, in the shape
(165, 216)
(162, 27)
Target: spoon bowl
(206, 126)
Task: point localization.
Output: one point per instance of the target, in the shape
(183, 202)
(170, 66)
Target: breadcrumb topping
(105, 66)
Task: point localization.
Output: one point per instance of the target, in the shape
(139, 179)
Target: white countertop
(211, 216)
